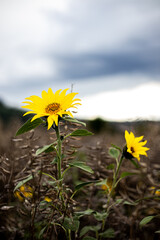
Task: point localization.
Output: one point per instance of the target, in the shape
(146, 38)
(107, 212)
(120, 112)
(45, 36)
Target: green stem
(112, 189)
(59, 163)
(59, 152)
(65, 171)
(49, 176)
(115, 179)
(118, 168)
(69, 234)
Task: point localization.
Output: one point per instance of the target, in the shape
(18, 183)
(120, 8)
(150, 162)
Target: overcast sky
(107, 50)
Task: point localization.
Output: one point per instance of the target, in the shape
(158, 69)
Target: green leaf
(130, 203)
(89, 238)
(109, 233)
(45, 148)
(42, 231)
(111, 166)
(86, 229)
(103, 182)
(157, 231)
(100, 216)
(70, 119)
(81, 185)
(55, 160)
(113, 152)
(146, 220)
(118, 201)
(27, 126)
(134, 163)
(82, 166)
(116, 147)
(126, 174)
(23, 182)
(71, 223)
(83, 213)
(80, 132)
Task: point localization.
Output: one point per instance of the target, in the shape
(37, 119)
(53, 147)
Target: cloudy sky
(107, 50)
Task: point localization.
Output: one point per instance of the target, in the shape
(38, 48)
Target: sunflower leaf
(146, 220)
(29, 125)
(46, 148)
(116, 147)
(83, 213)
(134, 163)
(100, 216)
(23, 182)
(111, 166)
(109, 233)
(80, 132)
(89, 238)
(81, 185)
(126, 174)
(70, 119)
(86, 229)
(71, 223)
(82, 166)
(113, 152)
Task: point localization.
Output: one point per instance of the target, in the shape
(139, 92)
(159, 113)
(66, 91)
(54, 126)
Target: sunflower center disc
(52, 108)
(132, 149)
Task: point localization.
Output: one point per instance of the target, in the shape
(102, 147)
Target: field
(91, 212)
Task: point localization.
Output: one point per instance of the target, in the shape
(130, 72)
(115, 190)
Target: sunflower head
(51, 105)
(47, 199)
(107, 186)
(154, 191)
(134, 147)
(23, 192)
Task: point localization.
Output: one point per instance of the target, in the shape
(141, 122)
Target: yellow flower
(27, 191)
(134, 146)
(51, 105)
(157, 192)
(47, 199)
(108, 185)
(18, 195)
(24, 191)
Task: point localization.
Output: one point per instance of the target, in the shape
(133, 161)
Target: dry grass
(18, 160)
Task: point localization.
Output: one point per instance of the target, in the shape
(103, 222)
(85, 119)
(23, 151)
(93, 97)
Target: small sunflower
(52, 105)
(23, 192)
(47, 199)
(133, 145)
(156, 192)
(107, 186)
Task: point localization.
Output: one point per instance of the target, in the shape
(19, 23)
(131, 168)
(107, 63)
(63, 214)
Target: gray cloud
(97, 65)
(67, 41)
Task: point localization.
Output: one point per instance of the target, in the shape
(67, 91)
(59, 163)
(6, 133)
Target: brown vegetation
(18, 160)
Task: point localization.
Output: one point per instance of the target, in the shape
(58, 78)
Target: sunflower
(52, 105)
(23, 192)
(133, 145)
(47, 199)
(153, 191)
(108, 185)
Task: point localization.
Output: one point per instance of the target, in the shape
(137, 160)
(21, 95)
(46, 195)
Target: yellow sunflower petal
(57, 93)
(69, 113)
(44, 94)
(138, 139)
(36, 116)
(134, 146)
(50, 92)
(50, 122)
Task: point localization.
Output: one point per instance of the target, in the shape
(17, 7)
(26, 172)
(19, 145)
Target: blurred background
(108, 51)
